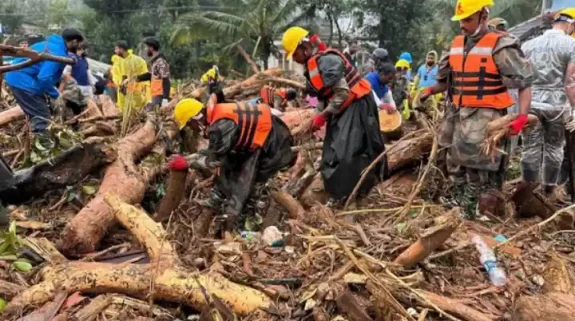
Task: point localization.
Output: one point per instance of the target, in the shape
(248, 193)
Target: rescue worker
(246, 141)
(159, 75)
(350, 52)
(352, 141)
(380, 81)
(378, 57)
(277, 98)
(481, 66)
(552, 56)
(400, 87)
(426, 74)
(115, 79)
(407, 57)
(80, 72)
(34, 85)
(133, 94)
(498, 24)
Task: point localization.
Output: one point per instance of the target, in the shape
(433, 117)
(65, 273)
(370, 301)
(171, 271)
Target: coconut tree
(244, 24)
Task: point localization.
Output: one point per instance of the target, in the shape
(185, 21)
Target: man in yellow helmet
(247, 142)
(353, 140)
(478, 72)
(552, 55)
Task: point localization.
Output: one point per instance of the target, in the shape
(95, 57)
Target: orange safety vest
(358, 86)
(476, 79)
(156, 84)
(268, 93)
(255, 121)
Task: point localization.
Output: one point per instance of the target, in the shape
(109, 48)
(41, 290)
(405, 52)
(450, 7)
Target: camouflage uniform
(462, 130)
(400, 90)
(543, 146)
(73, 96)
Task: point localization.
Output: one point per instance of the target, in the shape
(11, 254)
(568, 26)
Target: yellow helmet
(466, 8)
(402, 63)
(292, 38)
(568, 12)
(185, 110)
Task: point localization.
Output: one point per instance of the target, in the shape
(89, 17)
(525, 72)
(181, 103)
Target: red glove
(517, 125)
(178, 163)
(318, 122)
(425, 94)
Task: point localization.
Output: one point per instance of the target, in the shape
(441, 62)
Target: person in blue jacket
(380, 81)
(407, 56)
(31, 86)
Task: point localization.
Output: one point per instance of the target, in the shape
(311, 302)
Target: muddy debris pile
(103, 231)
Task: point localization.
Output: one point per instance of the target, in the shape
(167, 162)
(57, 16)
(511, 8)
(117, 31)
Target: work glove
(516, 126)
(388, 107)
(425, 94)
(178, 163)
(318, 122)
(165, 102)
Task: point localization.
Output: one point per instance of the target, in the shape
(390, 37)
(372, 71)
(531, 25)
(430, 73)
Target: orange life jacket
(255, 121)
(268, 93)
(476, 78)
(156, 84)
(358, 86)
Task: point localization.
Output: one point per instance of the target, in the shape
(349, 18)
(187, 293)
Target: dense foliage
(198, 33)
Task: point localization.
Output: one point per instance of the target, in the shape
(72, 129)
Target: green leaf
(401, 228)
(22, 266)
(71, 196)
(39, 146)
(8, 258)
(89, 189)
(3, 304)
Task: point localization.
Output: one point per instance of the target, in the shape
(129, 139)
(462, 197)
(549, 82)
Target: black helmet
(291, 94)
(381, 55)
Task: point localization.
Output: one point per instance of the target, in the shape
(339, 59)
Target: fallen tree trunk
(256, 82)
(122, 178)
(456, 308)
(548, 307)
(294, 208)
(430, 240)
(10, 115)
(66, 169)
(175, 190)
(164, 274)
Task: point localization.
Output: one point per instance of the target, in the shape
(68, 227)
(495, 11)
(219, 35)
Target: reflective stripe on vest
(268, 94)
(254, 121)
(359, 87)
(476, 78)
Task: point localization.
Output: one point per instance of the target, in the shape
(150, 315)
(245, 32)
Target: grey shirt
(549, 55)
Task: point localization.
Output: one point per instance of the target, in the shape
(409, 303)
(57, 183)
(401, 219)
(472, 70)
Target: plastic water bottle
(489, 261)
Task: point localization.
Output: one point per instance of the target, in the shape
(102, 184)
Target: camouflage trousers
(471, 172)
(543, 147)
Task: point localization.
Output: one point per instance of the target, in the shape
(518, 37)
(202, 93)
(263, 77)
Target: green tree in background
(10, 17)
(251, 24)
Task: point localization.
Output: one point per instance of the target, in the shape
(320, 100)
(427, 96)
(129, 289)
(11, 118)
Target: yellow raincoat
(138, 93)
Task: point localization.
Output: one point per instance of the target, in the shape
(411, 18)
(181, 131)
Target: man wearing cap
(481, 67)
(346, 104)
(246, 141)
(553, 57)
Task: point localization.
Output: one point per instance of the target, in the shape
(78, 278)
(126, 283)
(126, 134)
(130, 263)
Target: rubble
(397, 254)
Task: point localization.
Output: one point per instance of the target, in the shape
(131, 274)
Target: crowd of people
(486, 74)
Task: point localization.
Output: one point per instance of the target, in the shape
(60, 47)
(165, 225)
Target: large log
(256, 81)
(548, 307)
(66, 169)
(124, 179)
(11, 115)
(164, 277)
